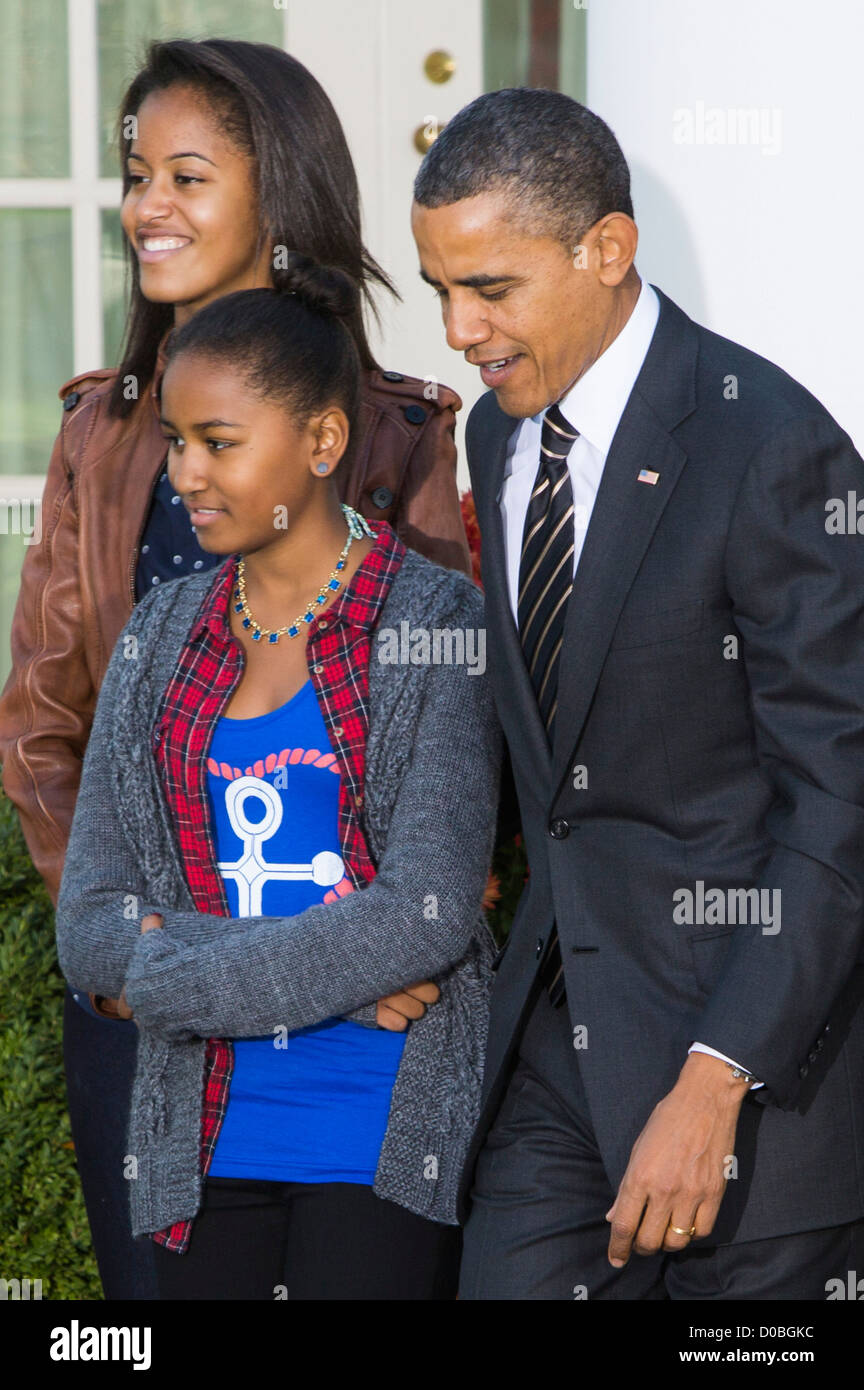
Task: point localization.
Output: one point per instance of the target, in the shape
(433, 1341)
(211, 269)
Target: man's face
(508, 297)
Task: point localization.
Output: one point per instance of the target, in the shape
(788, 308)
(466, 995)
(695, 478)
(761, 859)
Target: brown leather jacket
(77, 584)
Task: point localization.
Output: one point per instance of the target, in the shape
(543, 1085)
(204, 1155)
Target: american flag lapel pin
(645, 475)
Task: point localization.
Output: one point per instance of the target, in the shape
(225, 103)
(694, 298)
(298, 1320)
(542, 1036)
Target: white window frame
(84, 194)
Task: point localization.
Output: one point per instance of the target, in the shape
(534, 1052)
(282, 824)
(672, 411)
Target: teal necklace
(358, 527)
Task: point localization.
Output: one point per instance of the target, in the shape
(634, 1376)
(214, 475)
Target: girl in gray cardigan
(280, 846)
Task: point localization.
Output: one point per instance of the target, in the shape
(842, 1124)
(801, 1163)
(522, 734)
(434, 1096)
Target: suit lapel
(624, 518)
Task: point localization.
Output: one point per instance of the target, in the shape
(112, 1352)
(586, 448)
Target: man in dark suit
(674, 1089)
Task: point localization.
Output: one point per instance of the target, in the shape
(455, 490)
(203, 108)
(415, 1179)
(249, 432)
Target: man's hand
(396, 1011)
(677, 1170)
(149, 922)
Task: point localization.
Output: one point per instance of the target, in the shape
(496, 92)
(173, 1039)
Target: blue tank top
(310, 1105)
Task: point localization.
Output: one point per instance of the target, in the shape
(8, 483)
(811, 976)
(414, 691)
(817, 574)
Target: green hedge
(43, 1224)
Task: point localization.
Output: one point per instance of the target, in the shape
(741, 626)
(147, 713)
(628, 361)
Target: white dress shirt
(594, 406)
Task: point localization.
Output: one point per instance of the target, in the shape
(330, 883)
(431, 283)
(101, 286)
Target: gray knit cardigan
(429, 813)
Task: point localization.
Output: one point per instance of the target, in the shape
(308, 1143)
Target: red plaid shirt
(210, 666)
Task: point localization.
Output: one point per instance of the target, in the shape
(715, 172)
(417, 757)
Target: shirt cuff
(702, 1047)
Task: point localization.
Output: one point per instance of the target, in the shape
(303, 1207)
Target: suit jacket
(710, 729)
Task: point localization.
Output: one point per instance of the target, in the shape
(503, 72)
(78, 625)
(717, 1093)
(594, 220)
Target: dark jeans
(297, 1240)
(99, 1056)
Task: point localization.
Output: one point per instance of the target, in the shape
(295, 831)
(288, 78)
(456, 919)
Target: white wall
(764, 247)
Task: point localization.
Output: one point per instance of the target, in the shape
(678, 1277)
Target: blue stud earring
(322, 467)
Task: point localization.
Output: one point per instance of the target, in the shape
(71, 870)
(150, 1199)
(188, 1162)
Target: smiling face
(236, 459)
(520, 306)
(191, 213)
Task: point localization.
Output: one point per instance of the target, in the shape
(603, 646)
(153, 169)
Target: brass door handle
(439, 65)
(426, 134)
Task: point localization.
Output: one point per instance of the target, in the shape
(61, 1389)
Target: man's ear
(617, 237)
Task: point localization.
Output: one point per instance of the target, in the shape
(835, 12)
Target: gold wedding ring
(679, 1230)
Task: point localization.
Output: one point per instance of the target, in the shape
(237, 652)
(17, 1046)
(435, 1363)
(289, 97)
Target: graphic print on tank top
(251, 808)
(310, 1105)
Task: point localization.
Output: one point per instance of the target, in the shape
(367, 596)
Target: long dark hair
(275, 111)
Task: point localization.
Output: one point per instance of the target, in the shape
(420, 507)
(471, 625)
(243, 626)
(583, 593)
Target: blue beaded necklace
(358, 527)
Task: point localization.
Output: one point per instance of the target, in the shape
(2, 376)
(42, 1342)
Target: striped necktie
(545, 582)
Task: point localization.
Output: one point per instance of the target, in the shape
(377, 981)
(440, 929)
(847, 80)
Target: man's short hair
(557, 164)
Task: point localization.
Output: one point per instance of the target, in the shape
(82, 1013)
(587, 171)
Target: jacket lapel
(624, 518)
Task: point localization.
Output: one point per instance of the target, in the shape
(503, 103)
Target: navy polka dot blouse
(169, 545)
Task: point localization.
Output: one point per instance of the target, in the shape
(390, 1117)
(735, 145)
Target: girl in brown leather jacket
(232, 156)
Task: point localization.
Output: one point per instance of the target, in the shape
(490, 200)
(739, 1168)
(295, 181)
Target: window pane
(573, 51)
(113, 286)
(127, 26)
(34, 92)
(506, 43)
(13, 547)
(36, 346)
(535, 43)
